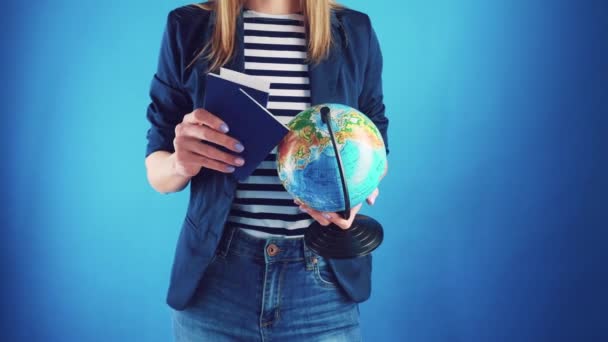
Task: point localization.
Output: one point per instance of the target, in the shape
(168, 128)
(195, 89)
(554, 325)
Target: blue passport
(243, 109)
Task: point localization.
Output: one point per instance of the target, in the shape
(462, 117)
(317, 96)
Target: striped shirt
(275, 49)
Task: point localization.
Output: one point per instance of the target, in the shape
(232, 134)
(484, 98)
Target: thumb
(372, 198)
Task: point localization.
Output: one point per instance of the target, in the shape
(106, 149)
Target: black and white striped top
(275, 49)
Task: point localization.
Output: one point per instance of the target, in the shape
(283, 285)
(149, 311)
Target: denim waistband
(272, 249)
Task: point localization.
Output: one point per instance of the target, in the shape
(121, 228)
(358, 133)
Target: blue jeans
(273, 289)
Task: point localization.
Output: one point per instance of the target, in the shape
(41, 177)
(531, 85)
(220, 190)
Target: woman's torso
(274, 50)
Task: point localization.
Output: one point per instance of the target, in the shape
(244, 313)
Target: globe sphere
(307, 164)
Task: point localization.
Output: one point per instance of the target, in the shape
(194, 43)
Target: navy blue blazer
(350, 75)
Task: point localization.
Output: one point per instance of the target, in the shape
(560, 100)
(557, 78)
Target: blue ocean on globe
(307, 164)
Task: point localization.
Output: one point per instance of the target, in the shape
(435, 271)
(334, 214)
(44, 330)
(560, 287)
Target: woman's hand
(326, 218)
(191, 151)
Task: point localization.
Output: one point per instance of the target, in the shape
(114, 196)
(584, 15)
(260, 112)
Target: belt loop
(308, 256)
(227, 239)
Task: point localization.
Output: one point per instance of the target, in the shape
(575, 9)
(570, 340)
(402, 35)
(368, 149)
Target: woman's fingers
(372, 198)
(201, 116)
(210, 152)
(326, 218)
(192, 152)
(189, 163)
(385, 170)
(317, 215)
(206, 133)
(342, 223)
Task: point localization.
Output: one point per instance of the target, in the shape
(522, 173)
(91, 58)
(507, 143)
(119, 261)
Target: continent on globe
(307, 165)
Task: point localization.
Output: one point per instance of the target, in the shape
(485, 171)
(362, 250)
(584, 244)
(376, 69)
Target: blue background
(494, 205)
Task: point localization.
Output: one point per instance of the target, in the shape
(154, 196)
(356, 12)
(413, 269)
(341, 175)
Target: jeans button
(272, 249)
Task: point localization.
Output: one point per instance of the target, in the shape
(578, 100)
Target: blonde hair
(220, 48)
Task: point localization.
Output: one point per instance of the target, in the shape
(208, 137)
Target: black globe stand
(364, 235)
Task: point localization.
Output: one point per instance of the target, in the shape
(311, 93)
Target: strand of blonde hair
(220, 48)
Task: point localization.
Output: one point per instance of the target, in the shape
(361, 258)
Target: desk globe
(309, 169)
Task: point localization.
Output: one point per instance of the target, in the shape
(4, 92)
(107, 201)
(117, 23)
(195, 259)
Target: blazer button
(272, 249)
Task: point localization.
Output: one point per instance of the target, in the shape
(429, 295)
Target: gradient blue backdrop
(494, 205)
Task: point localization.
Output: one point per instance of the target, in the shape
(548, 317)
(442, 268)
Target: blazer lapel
(323, 77)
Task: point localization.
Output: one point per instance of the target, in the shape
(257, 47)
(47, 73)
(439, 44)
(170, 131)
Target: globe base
(364, 235)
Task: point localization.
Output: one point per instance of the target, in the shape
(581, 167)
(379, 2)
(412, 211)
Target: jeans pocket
(323, 273)
(216, 259)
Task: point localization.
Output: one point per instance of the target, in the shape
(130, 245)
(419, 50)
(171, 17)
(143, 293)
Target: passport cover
(243, 108)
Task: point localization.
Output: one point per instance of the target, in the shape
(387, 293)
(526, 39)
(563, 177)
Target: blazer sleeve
(371, 97)
(169, 101)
